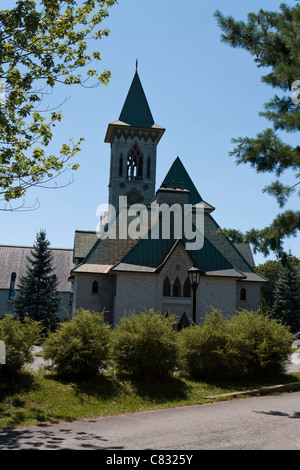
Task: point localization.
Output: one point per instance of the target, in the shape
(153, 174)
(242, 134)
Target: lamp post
(194, 278)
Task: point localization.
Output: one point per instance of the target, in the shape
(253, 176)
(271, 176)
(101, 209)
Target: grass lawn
(36, 397)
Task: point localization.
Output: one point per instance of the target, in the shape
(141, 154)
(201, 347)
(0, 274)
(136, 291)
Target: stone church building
(122, 274)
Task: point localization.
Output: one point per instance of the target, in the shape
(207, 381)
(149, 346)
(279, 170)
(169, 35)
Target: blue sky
(201, 90)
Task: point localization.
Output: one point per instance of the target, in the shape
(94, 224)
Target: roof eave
(122, 125)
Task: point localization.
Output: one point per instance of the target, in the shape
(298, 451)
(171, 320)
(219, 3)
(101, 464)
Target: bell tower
(133, 140)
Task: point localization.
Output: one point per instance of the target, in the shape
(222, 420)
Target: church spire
(133, 139)
(136, 111)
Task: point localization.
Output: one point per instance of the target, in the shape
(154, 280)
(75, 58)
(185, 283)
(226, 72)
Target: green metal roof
(178, 178)
(153, 252)
(136, 111)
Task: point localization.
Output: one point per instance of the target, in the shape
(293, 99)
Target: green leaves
(40, 46)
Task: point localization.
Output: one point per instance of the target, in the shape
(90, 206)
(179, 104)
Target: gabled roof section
(151, 251)
(83, 241)
(178, 178)
(105, 251)
(136, 111)
(217, 257)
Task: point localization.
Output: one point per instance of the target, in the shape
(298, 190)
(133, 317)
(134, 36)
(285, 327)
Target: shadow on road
(42, 438)
(279, 413)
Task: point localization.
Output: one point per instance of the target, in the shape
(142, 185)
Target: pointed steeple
(133, 139)
(178, 178)
(136, 111)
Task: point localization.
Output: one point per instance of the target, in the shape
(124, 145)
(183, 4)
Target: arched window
(187, 288)
(243, 294)
(12, 286)
(121, 165)
(148, 168)
(140, 168)
(166, 288)
(176, 288)
(135, 163)
(95, 287)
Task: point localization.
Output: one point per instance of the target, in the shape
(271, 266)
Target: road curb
(259, 391)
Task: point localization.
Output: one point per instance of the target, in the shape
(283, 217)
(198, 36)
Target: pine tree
(273, 39)
(37, 294)
(286, 306)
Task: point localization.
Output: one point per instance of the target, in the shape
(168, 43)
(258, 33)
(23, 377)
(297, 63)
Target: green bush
(264, 343)
(79, 347)
(19, 338)
(145, 344)
(248, 343)
(209, 350)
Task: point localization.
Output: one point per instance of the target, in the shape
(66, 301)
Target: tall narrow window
(95, 287)
(140, 167)
(166, 288)
(71, 293)
(187, 288)
(12, 286)
(176, 288)
(135, 163)
(148, 168)
(121, 165)
(243, 294)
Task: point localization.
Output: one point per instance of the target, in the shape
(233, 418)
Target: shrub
(79, 347)
(209, 350)
(145, 344)
(248, 343)
(19, 338)
(264, 343)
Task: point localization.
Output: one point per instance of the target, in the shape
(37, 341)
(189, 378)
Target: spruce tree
(286, 306)
(273, 39)
(37, 295)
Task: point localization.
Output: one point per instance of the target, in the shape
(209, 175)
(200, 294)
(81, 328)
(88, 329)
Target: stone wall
(252, 301)
(135, 292)
(97, 302)
(218, 293)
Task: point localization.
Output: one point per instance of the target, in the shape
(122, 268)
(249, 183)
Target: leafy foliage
(79, 347)
(264, 344)
(249, 343)
(19, 338)
(144, 344)
(42, 46)
(273, 39)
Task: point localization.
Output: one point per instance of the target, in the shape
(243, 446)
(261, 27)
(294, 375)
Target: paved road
(260, 423)
(269, 422)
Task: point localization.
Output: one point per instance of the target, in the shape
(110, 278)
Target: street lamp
(194, 278)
